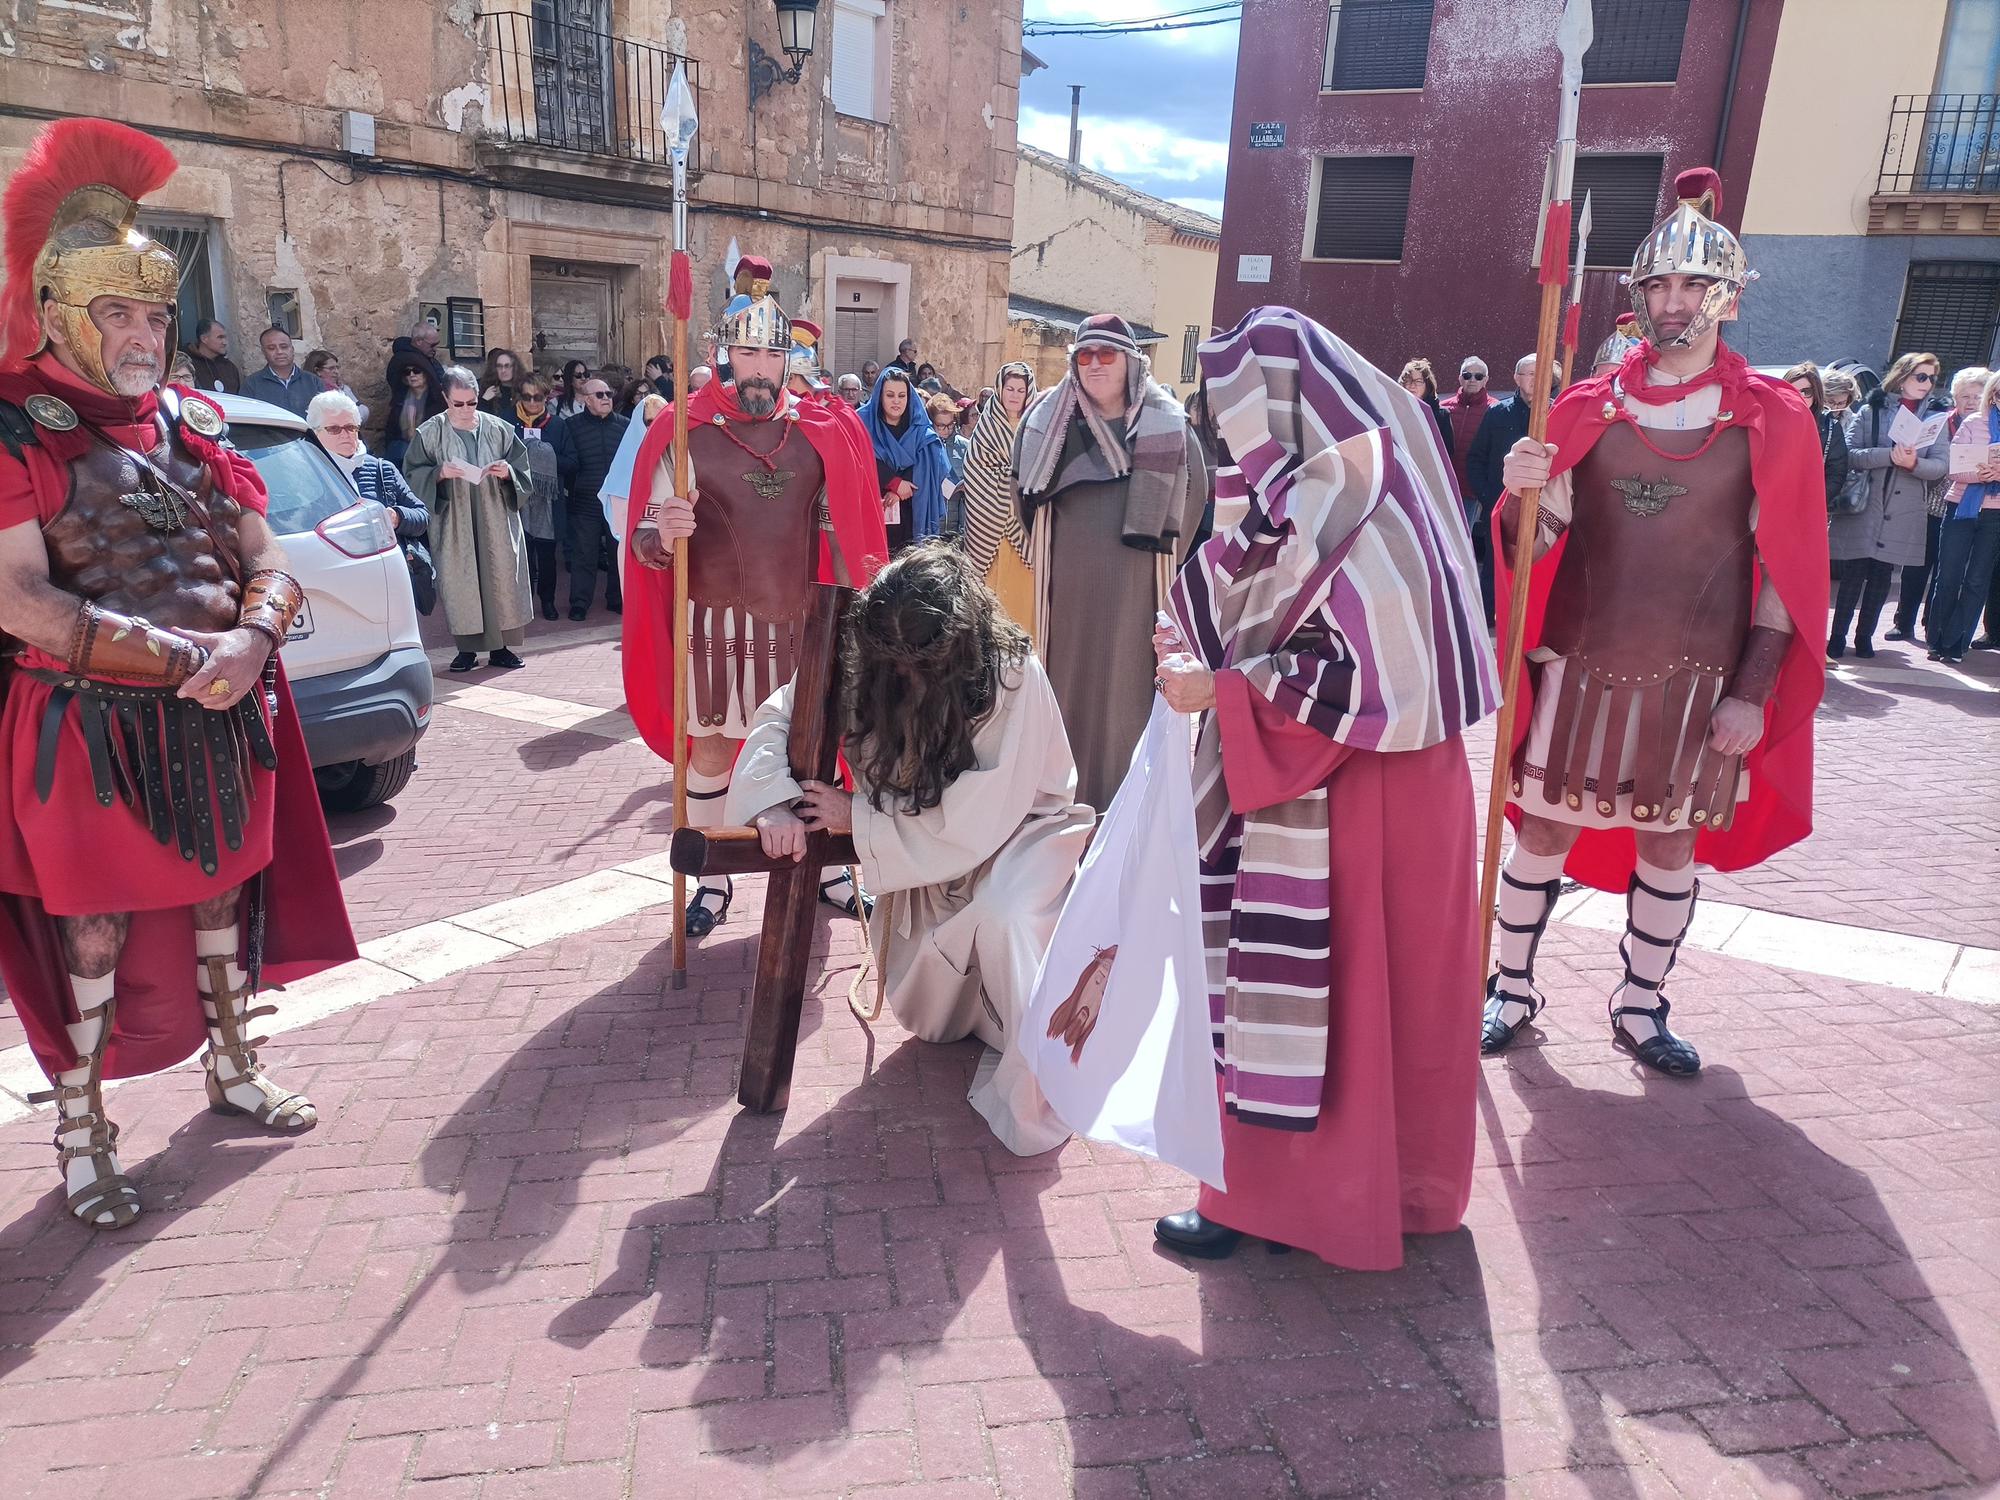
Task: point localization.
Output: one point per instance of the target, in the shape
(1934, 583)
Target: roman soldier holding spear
(1664, 710)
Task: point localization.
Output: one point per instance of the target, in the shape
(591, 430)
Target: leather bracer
(1756, 675)
(107, 644)
(271, 601)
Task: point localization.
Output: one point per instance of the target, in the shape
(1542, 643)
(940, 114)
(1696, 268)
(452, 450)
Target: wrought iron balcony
(1940, 169)
(558, 86)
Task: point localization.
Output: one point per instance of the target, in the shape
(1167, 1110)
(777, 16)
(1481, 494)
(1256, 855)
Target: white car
(358, 670)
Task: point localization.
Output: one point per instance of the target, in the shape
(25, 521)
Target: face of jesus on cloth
(135, 342)
(758, 373)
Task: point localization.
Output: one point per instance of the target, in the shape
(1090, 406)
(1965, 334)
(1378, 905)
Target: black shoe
(1835, 649)
(1865, 650)
(579, 614)
(616, 606)
(1496, 1035)
(709, 908)
(1986, 643)
(1933, 655)
(1900, 633)
(1663, 1052)
(465, 661)
(504, 658)
(548, 612)
(1191, 1234)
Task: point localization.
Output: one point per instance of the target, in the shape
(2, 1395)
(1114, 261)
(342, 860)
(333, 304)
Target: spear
(678, 121)
(1573, 319)
(1572, 40)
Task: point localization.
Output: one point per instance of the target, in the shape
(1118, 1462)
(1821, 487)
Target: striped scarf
(1340, 583)
(991, 517)
(1150, 447)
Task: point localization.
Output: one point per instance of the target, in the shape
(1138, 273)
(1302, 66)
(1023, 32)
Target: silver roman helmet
(1689, 242)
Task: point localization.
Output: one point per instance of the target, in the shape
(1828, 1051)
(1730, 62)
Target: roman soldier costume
(1680, 537)
(125, 802)
(782, 501)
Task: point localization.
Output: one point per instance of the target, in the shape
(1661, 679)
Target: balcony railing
(564, 87)
(1942, 143)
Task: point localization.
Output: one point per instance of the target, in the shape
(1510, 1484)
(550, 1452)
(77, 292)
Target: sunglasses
(597, 395)
(341, 427)
(1088, 357)
(1922, 378)
(1471, 374)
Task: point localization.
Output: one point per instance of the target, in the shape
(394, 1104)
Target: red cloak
(1788, 474)
(158, 1022)
(853, 503)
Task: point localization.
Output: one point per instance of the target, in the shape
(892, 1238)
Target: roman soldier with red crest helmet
(1673, 659)
(161, 843)
(784, 494)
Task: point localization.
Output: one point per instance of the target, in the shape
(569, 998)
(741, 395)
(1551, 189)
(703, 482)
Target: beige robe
(966, 893)
(477, 542)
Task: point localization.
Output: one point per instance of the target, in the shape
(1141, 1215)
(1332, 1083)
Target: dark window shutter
(1364, 202)
(1636, 41)
(1378, 44)
(1624, 206)
(1190, 345)
(1951, 308)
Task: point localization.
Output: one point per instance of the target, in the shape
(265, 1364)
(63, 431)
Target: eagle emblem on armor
(768, 486)
(1647, 497)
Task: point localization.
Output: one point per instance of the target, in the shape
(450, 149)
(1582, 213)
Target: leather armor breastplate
(1657, 568)
(103, 548)
(755, 550)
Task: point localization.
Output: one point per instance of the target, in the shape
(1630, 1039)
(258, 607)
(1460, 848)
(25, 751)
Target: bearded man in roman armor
(1673, 659)
(161, 843)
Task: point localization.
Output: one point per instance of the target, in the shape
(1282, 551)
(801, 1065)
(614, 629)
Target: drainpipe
(1075, 125)
(1729, 89)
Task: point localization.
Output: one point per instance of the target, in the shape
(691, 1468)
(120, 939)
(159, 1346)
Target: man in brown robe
(1111, 485)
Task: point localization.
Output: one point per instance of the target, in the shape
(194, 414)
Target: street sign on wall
(1253, 268)
(1267, 135)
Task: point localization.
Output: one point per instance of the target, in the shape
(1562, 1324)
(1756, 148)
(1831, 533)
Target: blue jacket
(1505, 423)
(294, 395)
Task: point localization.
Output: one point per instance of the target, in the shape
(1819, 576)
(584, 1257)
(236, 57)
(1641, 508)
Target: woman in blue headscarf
(910, 461)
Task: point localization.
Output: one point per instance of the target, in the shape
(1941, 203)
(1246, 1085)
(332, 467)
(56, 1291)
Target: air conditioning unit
(357, 133)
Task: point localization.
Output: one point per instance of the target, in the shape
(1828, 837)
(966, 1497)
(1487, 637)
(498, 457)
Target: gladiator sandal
(709, 908)
(108, 1200)
(278, 1109)
(1496, 1032)
(1663, 1052)
(843, 893)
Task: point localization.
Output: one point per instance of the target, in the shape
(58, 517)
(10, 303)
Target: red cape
(853, 503)
(158, 1022)
(1788, 473)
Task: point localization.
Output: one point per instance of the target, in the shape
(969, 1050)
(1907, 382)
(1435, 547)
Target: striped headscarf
(992, 520)
(1340, 582)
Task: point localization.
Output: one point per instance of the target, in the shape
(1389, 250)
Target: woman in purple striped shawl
(1332, 634)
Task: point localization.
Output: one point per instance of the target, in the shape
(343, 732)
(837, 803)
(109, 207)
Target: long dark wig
(928, 650)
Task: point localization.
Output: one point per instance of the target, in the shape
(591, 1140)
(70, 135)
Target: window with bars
(1361, 205)
(1636, 41)
(1624, 206)
(1190, 343)
(1951, 308)
(1377, 44)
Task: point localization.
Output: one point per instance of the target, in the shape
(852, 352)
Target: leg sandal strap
(1663, 1052)
(1495, 1033)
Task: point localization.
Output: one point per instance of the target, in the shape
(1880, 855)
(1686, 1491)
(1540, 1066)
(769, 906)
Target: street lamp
(798, 20)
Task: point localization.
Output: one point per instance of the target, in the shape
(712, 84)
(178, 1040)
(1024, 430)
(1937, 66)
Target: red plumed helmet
(122, 166)
(1701, 186)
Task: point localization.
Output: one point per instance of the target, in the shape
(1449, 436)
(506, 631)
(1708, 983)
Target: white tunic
(966, 893)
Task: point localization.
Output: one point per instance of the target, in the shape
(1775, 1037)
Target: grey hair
(457, 377)
(1970, 375)
(327, 405)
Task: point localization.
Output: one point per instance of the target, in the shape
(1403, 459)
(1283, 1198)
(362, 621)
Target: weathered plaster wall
(1076, 248)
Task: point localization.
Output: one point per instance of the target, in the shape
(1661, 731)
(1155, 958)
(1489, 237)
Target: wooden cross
(771, 1036)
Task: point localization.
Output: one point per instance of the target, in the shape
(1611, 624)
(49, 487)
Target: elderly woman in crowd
(1888, 533)
(910, 461)
(1805, 378)
(1970, 544)
(993, 539)
(1332, 634)
(471, 468)
(335, 421)
(324, 364)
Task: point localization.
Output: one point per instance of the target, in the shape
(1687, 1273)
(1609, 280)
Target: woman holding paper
(1332, 632)
(1970, 543)
(1905, 449)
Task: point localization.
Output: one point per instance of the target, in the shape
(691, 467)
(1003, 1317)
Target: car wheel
(353, 785)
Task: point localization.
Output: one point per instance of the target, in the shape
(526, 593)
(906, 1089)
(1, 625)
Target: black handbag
(1853, 496)
(423, 576)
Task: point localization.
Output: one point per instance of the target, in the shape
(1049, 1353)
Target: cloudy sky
(1155, 106)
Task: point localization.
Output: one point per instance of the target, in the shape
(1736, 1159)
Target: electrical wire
(1097, 21)
(1173, 20)
(1228, 20)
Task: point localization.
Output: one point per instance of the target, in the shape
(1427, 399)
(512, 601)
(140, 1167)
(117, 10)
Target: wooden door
(572, 318)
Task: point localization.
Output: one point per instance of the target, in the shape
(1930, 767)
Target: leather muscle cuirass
(755, 550)
(102, 546)
(1657, 569)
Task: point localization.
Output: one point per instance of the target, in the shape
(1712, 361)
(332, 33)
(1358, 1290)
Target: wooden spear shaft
(682, 666)
(1522, 561)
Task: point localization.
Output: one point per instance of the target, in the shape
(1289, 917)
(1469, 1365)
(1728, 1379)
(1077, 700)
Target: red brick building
(1401, 208)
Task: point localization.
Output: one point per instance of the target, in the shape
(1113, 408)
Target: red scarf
(1635, 377)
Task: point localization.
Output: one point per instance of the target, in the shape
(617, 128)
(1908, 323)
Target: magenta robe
(1392, 1151)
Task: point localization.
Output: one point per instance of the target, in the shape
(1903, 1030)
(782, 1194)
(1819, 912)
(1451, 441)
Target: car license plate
(302, 622)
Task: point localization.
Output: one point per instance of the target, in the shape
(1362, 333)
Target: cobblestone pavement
(535, 1250)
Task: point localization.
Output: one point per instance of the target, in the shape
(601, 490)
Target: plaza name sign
(1267, 135)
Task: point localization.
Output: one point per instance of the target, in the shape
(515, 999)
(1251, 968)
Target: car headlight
(362, 530)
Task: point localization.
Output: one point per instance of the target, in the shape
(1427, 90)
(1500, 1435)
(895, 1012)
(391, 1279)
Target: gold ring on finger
(219, 688)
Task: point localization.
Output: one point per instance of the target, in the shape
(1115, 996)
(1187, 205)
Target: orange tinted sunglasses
(1096, 356)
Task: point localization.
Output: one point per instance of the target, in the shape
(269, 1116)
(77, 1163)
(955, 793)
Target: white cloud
(1126, 148)
(1210, 206)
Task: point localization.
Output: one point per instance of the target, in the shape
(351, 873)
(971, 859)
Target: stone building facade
(517, 187)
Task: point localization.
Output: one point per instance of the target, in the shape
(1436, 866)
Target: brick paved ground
(535, 1250)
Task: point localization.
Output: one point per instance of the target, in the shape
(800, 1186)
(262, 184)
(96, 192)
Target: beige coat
(477, 542)
(966, 893)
